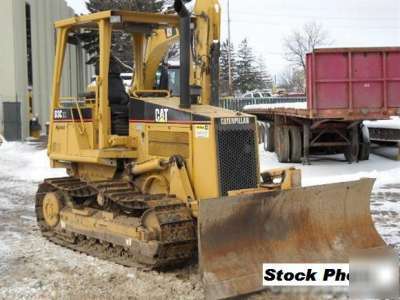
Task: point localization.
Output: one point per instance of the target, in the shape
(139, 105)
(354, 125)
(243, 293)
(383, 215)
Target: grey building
(27, 50)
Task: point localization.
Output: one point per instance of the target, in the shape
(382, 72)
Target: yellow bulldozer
(160, 180)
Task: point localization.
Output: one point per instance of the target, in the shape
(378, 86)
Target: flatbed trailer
(345, 86)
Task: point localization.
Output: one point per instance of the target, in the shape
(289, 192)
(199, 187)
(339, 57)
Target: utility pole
(229, 52)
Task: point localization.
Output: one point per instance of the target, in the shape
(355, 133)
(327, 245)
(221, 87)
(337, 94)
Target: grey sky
(78, 5)
(350, 23)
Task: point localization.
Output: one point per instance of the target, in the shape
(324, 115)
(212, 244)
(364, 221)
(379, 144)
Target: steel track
(178, 243)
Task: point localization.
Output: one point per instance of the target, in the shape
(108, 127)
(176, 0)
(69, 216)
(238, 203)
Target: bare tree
(292, 80)
(299, 42)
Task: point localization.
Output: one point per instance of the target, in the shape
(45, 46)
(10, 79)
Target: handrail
(82, 130)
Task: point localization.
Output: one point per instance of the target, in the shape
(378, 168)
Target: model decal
(68, 114)
(235, 121)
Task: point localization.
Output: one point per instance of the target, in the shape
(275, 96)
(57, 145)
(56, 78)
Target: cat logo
(161, 115)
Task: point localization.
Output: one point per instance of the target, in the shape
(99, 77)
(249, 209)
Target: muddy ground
(32, 268)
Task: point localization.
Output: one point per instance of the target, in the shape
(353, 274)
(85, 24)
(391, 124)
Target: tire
(282, 144)
(261, 132)
(295, 144)
(365, 144)
(269, 143)
(351, 152)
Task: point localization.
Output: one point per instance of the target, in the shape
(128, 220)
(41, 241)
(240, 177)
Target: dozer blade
(320, 224)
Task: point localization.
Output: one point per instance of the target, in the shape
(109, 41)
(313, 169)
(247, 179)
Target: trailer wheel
(352, 151)
(261, 132)
(365, 143)
(282, 144)
(269, 137)
(295, 144)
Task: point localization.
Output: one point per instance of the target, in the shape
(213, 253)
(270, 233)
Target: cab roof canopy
(120, 20)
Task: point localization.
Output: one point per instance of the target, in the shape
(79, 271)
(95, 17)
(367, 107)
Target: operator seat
(118, 99)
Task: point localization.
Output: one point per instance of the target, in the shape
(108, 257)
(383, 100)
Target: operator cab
(141, 29)
(102, 114)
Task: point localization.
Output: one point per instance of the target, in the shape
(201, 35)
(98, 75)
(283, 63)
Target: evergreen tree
(246, 79)
(264, 80)
(134, 5)
(224, 67)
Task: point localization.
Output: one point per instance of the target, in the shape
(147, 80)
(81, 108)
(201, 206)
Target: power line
(350, 18)
(280, 24)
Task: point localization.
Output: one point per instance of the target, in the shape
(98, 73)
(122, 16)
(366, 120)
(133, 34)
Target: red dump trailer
(345, 86)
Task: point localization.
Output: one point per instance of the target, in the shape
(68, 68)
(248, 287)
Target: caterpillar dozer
(158, 180)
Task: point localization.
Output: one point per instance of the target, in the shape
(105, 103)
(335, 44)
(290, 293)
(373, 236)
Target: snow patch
(26, 162)
(6, 203)
(4, 249)
(330, 170)
(294, 105)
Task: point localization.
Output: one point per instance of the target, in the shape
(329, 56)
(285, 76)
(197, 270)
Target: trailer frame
(339, 134)
(345, 86)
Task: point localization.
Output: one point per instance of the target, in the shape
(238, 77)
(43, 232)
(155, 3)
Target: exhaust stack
(184, 33)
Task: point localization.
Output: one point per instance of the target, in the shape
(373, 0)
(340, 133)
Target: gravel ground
(32, 268)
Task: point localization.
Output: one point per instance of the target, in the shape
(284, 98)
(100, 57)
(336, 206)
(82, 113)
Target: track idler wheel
(150, 221)
(52, 205)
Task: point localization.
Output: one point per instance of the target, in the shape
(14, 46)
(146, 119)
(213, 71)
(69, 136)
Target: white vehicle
(257, 94)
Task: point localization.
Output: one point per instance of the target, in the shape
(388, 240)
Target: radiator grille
(237, 157)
